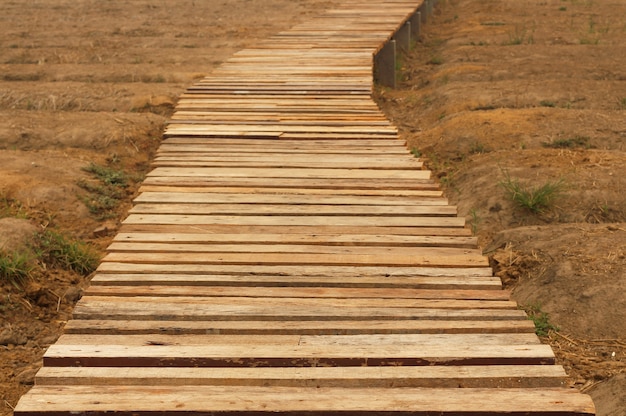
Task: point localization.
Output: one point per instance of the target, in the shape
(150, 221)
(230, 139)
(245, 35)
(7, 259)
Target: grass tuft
(58, 250)
(541, 320)
(535, 199)
(16, 267)
(547, 103)
(107, 175)
(475, 221)
(106, 193)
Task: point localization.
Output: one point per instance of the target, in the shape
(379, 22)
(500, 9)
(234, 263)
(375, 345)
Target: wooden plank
(423, 340)
(251, 162)
(241, 162)
(310, 145)
(263, 147)
(505, 376)
(197, 128)
(325, 327)
(306, 253)
(256, 117)
(191, 309)
(290, 173)
(289, 221)
(325, 239)
(294, 356)
(305, 210)
(331, 259)
(121, 274)
(288, 199)
(377, 275)
(296, 230)
(299, 183)
(143, 400)
(138, 289)
(261, 305)
(267, 189)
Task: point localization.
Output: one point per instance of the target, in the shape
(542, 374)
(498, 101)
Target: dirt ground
(529, 92)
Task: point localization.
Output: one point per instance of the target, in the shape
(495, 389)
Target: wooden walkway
(288, 255)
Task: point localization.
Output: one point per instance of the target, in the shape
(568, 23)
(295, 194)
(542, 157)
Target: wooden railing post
(403, 37)
(416, 25)
(423, 9)
(401, 41)
(385, 65)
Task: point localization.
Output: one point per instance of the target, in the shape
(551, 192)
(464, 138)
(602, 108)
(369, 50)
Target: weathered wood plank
(344, 250)
(185, 300)
(274, 173)
(423, 340)
(139, 289)
(325, 327)
(395, 276)
(191, 309)
(325, 239)
(288, 220)
(286, 258)
(268, 189)
(294, 356)
(287, 199)
(143, 400)
(260, 162)
(504, 376)
(295, 230)
(261, 305)
(260, 148)
(299, 183)
(305, 210)
(234, 145)
(119, 274)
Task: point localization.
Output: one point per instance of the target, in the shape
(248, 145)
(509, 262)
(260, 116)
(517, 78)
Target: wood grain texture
(143, 400)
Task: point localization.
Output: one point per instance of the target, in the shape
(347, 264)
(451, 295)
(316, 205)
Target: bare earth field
(497, 92)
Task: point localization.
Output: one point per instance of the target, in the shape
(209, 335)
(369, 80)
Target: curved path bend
(287, 254)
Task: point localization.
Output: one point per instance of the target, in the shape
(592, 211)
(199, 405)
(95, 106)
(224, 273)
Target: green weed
(475, 221)
(107, 175)
(477, 148)
(547, 103)
(54, 248)
(16, 267)
(535, 199)
(11, 208)
(540, 319)
(106, 193)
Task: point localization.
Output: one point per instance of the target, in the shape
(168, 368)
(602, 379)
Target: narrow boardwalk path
(288, 255)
